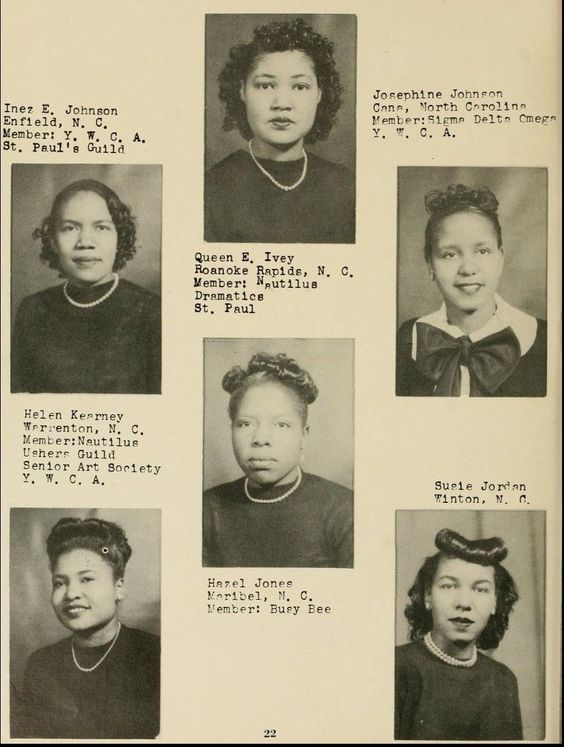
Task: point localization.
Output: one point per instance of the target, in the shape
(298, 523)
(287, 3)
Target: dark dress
(311, 528)
(527, 380)
(120, 699)
(242, 205)
(435, 700)
(114, 347)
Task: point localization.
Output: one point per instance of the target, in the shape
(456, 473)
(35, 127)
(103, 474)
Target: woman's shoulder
(409, 654)
(134, 291)
(327, 488)
(41, 300)
(141, 640)
(496, 669)
(224, 492)
(47, 655)
(330, 169)
(405, 330)
(231, 165)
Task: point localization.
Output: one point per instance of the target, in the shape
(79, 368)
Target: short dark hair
(281, 36)
(121, 216)
(105, 538)
(485, 552)
(457, 198)
(279, 369)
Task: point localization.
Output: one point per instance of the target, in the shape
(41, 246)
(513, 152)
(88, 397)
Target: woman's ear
(120, 589)
(427, 601)
(430, 270)
(242, 92)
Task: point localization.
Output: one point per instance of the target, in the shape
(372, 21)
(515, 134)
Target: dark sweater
(242, 204)
(528, 379)
(312, 528)
(114, 347)
(118, 700)
(436, 701)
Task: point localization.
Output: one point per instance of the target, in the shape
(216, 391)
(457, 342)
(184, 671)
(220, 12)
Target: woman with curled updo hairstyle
(277, 515)
(281, 91)
(460, 602)
(102, 682)
(96, 332)
(476, 344)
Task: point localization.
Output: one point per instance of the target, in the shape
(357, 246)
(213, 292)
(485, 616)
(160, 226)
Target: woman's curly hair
(457, 198)
(281, 36)
(270, 368)
(120, 213)
(105, 538)
(485, 552)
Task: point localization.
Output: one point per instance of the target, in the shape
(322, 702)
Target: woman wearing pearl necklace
(102, 682)
(445, 687)
(281, 91)
(96, 332)
(277, 515)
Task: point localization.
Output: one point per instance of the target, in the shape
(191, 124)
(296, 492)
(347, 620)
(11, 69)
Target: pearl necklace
(440, 654)
(106, 295)
(273, 500)
(286, 188)
(91, 669)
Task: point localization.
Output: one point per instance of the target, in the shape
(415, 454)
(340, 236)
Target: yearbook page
(281, 371)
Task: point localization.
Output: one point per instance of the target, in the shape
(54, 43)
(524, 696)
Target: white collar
(523, 325)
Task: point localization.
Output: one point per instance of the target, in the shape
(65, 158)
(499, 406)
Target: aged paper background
(312, 678)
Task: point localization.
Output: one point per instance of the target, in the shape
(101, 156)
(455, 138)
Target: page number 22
(269, 733)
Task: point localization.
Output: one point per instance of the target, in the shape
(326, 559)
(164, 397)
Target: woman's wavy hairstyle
(280, 37)
(120, 213)
(458, 198)
(105, 538)
(485, 552)
(270, 368)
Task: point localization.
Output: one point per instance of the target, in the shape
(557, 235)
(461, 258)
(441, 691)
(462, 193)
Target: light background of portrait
(33, 622)
(522, 647)
(329, 444)
(35, 186)
(225, 30)
(522, 197)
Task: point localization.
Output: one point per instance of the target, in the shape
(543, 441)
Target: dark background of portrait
(32, 620)
(329, 444)
(522, 647)
(225, 30)
(34, 187)
(522, 197)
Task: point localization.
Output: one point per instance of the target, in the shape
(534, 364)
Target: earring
(427, 605)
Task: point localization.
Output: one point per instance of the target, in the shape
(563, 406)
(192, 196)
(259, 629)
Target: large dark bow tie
(490, 361)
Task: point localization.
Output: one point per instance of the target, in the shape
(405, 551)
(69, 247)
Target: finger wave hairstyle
(264, 368)
(485, 552)
(121, 216)
(105, 538)
(281, 36)
(457, 198)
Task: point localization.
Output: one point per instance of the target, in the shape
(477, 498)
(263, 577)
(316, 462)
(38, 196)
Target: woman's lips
(75, 609)
(86, 261)
(461, 622)
(281, 123)
(261, 463)
(469, 288)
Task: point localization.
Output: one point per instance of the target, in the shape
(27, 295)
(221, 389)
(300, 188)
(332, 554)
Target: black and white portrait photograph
(472, 279)
(280, 144)
(86, 278)
(85, 623)
(470, 609)
(278, 453)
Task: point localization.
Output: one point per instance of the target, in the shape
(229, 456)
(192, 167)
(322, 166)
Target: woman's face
(268, 434)
(85, 594)
(466, 262)
(462, 598)
(281, 96)
(86, 239)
